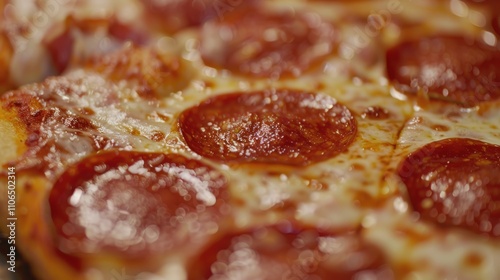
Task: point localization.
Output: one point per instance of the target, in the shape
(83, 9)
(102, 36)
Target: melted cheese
(424, 250)
(357, 189)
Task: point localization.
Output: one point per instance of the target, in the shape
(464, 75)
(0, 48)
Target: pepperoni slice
(274, 253)
(456, 182)
(261, 44)
(454, 69)
(181, 13)
(60, 49)
(176, 14)
(274, 126)
(135, 204)
(152, 72)
(127, 33)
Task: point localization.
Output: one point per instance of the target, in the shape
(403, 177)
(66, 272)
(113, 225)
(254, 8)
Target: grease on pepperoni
(450, 68)
(456, 182)
(264, 44)
(277, 253)
(135, 204)
(273, 126)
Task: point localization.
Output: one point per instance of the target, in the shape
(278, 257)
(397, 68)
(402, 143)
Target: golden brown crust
(13, 136)
(33, 238)
(35, 122)
(11, 147)
(5, 59)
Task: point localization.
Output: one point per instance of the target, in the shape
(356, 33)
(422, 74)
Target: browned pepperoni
(151, 72)
(126, 32)
(177, 14)
(60, 49)
(274, 126)
(270, 253)
(258, 43)
(135, 204)
(180, 13)
(456, 182)
(450, 68)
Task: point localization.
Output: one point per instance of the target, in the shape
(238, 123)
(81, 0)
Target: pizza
(226, 139)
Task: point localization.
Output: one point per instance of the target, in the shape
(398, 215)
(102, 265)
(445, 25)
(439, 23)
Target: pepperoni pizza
(218, 139)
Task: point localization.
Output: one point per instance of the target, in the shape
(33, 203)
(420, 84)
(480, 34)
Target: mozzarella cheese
(356, 189)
